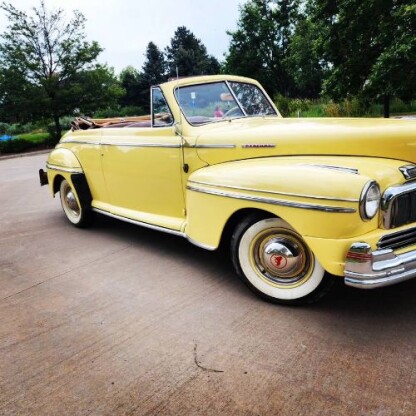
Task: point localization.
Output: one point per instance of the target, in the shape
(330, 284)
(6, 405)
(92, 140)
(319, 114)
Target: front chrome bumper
(367, 269)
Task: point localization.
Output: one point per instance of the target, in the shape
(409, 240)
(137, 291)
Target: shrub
(298, 107)
(128, 111)
(15, 146)
(17, 128)
(13, 129)
(283, 105)
(65, 122)
(3, 128)
(332, 109)
(53, 139)
(35, 138)
(352, 107)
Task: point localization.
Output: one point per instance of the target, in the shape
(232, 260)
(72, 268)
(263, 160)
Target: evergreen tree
(188, 55)
(154, 68)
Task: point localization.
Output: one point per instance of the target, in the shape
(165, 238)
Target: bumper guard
(367, 269)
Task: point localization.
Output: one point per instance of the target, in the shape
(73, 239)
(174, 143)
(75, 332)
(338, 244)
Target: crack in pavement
(211, 370)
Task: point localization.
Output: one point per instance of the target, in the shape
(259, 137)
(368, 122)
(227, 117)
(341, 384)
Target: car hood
(261, 137)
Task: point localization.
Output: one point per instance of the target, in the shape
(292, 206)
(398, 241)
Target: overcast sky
(125, 27)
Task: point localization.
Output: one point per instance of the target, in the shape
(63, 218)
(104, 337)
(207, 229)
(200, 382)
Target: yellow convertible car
(298, 201)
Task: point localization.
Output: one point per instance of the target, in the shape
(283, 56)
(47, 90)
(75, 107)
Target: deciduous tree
(55, 65)
(259, 47)
(132, 82)
(370, 47)
(303, 62)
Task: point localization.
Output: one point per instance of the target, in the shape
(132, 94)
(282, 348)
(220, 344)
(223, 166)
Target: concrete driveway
(120, 320)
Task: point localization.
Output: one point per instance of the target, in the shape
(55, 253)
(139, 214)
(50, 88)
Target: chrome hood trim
(337, 168)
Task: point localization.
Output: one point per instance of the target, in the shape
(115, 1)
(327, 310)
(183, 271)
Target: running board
(140, 223)
(154, 227)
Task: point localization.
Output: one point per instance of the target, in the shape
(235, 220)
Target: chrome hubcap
(70, 203)
(281, 258)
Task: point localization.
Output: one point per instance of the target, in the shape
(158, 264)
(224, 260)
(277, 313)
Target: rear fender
(62, 164)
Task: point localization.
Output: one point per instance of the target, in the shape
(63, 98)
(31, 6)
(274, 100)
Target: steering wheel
(231, 111)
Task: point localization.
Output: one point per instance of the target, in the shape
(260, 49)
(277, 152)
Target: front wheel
(276, 263)
(77, 214)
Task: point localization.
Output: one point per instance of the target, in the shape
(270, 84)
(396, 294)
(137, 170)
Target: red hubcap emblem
(279, 262)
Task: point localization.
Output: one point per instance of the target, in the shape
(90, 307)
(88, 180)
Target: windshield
(207, 103)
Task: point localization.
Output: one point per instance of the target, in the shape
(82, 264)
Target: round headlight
(370, 200)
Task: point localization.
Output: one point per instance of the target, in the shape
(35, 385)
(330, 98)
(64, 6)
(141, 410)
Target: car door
(142, 168)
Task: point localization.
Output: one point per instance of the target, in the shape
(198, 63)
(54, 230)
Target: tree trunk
(58, 129)
(386, 105)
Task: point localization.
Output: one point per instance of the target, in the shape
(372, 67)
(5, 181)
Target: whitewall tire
(77, 214)
(276, 263)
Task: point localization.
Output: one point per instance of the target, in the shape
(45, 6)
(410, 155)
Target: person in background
(218, 112)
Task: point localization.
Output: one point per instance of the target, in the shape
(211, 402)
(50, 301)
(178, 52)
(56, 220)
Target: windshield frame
(237, 101)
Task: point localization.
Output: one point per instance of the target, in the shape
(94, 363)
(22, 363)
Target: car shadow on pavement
(171, 245)
(392, 301)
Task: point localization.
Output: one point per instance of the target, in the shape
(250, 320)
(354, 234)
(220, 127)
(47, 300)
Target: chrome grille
(403, 210)
(398, 205)
(399, 239)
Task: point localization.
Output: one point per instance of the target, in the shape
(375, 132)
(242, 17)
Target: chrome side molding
(64, 168)
(273, 201)
(264, 191)
(140, 223)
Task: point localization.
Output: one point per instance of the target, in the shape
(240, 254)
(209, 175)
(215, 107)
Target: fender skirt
(83, 191)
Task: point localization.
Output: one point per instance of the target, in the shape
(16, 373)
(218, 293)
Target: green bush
(65, 122)
(349, 107)
(293, 107)
(332, 109)
(283, 105)
(3, 128)
(17, 128)
(24, 142)
(128, 111)
(35, 138)
(15, 146)
(13, 129)
(316, 109)
(52, 139)
(353, 107)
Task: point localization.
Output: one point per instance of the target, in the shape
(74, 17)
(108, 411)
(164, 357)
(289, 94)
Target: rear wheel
(77, 214)
(276, 263)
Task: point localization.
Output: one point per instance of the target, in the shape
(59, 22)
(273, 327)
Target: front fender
(316, 198)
